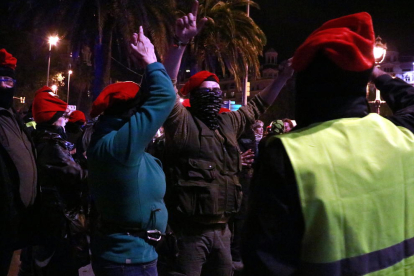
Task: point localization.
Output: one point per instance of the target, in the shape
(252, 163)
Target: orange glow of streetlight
(380, 50)
(54, 88)
(53, 40)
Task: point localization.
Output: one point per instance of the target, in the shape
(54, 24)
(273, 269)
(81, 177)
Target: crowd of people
(152, 186)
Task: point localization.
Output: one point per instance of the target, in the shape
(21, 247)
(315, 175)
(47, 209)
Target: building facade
(399, 66)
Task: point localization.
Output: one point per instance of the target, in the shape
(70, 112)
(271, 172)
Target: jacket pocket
(201, 169)
(198, 199)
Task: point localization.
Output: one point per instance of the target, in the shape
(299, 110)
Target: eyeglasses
(7, 82)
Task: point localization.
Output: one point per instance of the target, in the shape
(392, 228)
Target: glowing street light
(380, 50)
(54, 88)
(69, 73)
(53, 40)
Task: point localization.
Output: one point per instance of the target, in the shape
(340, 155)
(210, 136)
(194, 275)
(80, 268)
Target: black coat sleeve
(400, 98)
(274, 227)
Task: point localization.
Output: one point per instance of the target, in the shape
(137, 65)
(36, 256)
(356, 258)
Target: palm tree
(231, 38)
(97, 24)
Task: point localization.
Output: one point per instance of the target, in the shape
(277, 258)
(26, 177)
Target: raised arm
(270, 93)
(157, 96)
(186, 28)
(399, 96)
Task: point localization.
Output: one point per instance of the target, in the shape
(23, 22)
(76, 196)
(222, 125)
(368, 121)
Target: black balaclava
(326, 92)
(206, 103)
(6, 94)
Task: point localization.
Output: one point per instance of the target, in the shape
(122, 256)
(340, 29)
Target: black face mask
(6, 97)
(205, 105)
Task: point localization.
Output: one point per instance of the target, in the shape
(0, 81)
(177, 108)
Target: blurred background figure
(74, 126)
(75, 129)
(18, 173)
(63, 246)
(288, 125)
(157, 146)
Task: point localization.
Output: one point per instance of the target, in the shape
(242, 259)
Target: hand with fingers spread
(247, 158)
(187, 27)
(142, 49)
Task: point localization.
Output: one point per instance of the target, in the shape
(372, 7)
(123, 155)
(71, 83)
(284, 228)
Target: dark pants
(55, 259)
(204, 251)
(5, 260)
(103, 267)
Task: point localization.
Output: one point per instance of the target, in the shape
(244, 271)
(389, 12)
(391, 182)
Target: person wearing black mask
(18, 175)
(202, 160)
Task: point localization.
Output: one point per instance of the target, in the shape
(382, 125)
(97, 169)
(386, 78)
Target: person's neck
(326, 109)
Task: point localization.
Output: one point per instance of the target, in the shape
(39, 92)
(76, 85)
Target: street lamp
(69, 73)
(246, 78)
(380, 50)
(22, 99)
(53, 40)
(54, 88)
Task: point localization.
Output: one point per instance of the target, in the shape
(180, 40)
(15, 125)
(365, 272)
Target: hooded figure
(324, 195)
(18, 174)
(74, 126)
(62, 249)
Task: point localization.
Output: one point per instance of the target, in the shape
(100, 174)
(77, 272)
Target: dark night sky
(287, 23)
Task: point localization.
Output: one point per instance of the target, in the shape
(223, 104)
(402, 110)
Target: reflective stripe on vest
(355, 177)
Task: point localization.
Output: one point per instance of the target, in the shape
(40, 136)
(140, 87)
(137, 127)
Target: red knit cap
(77, 116)
(7, 60)
(45, 105)
(196, 80)
(186, 103)
(348, 41)
(112, 94)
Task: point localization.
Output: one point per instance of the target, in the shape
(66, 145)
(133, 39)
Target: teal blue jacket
(128, 184)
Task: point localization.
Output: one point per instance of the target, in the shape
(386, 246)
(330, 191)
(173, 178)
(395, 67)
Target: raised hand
(142, 49)
(286, 68)
(187, 27)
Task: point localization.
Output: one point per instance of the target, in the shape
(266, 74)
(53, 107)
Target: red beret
(196, 80)
(112, 94)
(186, 103)
(77, 116)
(7, 60)
(45, 105)
(348, 41)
